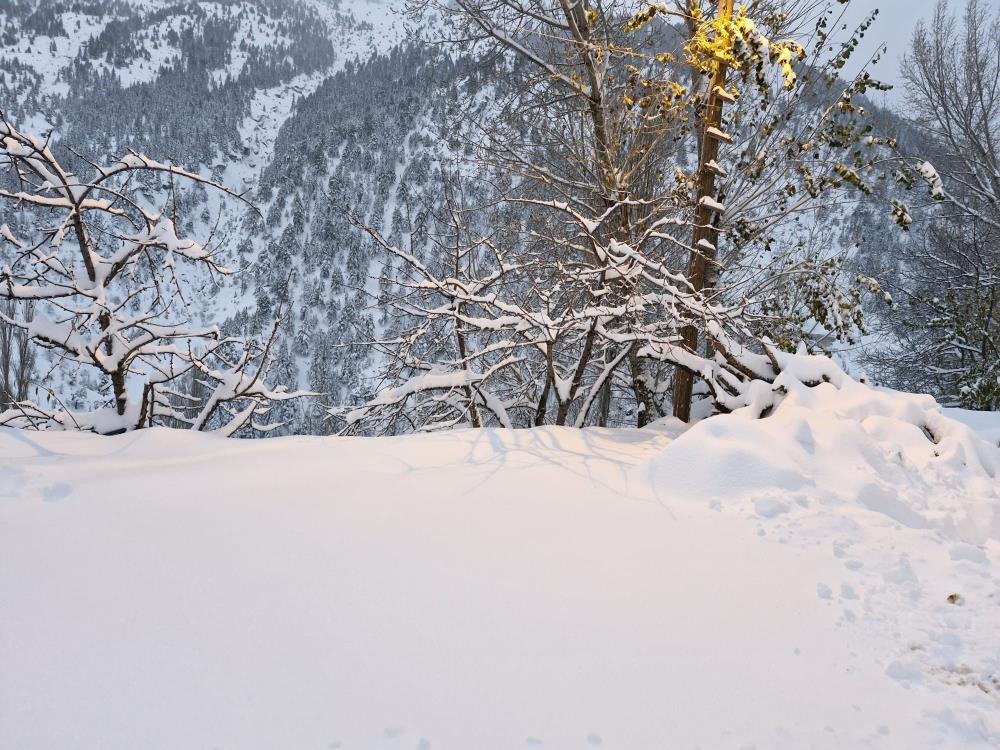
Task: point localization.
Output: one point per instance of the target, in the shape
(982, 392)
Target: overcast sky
(893, 27)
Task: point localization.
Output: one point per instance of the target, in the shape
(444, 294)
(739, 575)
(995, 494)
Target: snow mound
(841, 441)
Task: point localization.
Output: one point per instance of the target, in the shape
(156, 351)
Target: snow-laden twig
(107, 277)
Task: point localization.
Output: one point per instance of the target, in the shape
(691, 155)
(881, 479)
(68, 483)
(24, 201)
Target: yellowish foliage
(737, 42)
(741, 45)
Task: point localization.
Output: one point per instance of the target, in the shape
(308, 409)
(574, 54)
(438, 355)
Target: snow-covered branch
(108, 280)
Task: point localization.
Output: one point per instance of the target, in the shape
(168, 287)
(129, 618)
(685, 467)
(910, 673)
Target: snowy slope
(552, 588)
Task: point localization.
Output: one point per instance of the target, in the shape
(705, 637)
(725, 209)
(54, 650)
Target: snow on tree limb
(108, 277)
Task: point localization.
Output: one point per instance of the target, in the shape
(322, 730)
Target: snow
(713, 166)
(712, 204)
(933, 179)
(36, 52)
(160, 55)
(714, 132)
(723, 93)
(360, 28)
(985, 423)
(256, 31)
(817, 578)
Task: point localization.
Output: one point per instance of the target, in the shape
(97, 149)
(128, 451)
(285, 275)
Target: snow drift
(823, 577)
(841, 441)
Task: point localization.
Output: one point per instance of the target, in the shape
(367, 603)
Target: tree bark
(705, 235)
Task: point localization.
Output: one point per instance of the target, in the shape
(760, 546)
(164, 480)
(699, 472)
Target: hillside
(832, 582)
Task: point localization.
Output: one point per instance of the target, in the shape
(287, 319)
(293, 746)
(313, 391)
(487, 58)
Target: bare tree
(109, 280)
(952, 76)
(951, 285)
(17, 355)
(593, 203)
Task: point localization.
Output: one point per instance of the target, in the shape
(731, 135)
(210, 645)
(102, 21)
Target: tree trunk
(705, 236)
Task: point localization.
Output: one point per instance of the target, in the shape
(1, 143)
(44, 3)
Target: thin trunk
(543, 399)
(644, 397)
(463, 353)
(604, 411)
(705, 236)
(581, 368)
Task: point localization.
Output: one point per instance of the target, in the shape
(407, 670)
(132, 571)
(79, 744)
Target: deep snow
(775, 583)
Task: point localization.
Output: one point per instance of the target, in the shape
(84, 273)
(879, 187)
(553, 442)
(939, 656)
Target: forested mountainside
(318, 111)
(310, 107)
(177, 79)
(291, 102)
(363, 142)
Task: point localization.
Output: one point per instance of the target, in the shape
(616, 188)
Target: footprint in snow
(56, 492)
(769, 507)
(968, 553)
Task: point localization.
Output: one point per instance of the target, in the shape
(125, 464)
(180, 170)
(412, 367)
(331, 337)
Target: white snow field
(772, 583)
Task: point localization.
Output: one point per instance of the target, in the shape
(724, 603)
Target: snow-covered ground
(48, 56)
(822, 578)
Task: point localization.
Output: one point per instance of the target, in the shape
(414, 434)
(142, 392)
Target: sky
(893, 27)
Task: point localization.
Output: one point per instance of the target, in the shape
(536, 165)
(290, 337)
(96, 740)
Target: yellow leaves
(739, 44)
(713, 42)
(641, 18)
(665, 95)
(784, 60)
(733, 41)
(676, 90)
(784, 54)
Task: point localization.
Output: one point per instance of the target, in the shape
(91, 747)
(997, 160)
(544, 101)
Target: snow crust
(823, 577)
